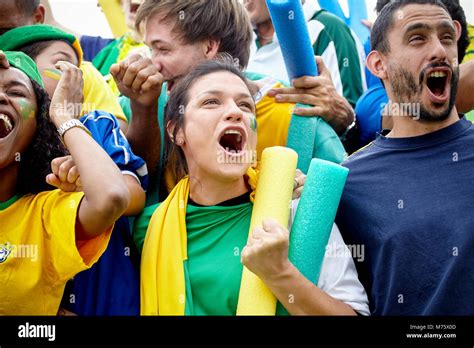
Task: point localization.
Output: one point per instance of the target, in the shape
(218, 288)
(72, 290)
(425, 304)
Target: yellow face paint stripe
(52, 73)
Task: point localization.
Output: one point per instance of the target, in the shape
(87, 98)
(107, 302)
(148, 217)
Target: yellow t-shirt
(273, 119)
(97, 93)
(39, 252)
(470, 49)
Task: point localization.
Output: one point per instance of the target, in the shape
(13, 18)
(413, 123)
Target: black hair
(27, 7)
(45, 146)
(175, 109)
(456, 12)
(34, 49)
(384, 22)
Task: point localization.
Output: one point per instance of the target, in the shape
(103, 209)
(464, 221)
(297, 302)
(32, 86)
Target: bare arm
(65, 176)
(266, 255)
(137, 196)
(106, 196)
(301, 297)
(139, 80)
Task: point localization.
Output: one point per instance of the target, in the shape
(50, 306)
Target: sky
(85, 17)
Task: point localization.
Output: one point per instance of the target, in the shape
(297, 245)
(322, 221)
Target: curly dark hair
(46, 145)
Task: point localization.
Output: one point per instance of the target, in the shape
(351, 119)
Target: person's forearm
(301, 297)
(465, 98)
(106, 195)
(137, 196)
(144, 135)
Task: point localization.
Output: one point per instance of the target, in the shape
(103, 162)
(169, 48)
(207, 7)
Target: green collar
(7, 204)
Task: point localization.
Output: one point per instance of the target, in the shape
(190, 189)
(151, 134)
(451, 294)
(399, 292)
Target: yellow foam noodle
(115, 17)
(272, 200)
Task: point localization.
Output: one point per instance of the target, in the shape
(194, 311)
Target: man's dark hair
(386, 18)
(455, 11)
(226, 21)
(26, 7)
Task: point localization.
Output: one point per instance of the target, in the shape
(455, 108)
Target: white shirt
(338, 277)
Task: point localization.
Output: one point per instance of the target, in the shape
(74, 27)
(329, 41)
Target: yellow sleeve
(273, 122)
(97, 93)
(64, 257)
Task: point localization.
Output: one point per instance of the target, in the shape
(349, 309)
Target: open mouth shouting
(438, 81)
(6, 125)
(233, 141)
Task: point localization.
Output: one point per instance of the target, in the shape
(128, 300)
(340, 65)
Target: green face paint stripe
(253, 123)
(26, 109)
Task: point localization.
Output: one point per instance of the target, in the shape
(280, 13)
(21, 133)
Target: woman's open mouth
(6, 125)
(232, 140)
(438, 82)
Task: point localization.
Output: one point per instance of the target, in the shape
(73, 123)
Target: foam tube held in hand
(272, 200)
(292, 32)
(301, 135)
(315, 217)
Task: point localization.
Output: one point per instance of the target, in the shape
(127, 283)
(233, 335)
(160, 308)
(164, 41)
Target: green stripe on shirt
(336, 31)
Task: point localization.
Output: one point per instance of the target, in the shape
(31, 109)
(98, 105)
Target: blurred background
(85, 16)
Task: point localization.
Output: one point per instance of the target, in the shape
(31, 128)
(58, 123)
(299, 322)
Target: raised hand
(138, 79)
(65, 175)
(66, 102)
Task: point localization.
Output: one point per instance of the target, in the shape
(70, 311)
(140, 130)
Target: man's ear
(211, 48)
(458, 28)
(376, 65)
(39, 14)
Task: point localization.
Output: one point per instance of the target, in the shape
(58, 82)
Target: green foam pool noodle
(301, 135)
(314, 218)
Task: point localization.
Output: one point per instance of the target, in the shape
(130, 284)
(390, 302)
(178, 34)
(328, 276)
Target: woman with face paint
(195, 244)
(47, 236)
(111, 287)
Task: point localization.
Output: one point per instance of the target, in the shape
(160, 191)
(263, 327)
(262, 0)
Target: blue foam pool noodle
(292, 32)
(314, 218)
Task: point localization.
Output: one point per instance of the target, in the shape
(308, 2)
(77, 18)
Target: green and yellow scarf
(163, 284)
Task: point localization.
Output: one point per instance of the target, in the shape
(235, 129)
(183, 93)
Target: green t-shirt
(216, 237)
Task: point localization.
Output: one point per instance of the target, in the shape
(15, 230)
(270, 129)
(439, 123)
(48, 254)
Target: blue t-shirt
(112, 285)
(105, 130)
(368, 112)
(407, 203)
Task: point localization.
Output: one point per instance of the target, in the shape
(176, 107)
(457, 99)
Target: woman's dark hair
(174, 159)
(46, 145)
(35, 48)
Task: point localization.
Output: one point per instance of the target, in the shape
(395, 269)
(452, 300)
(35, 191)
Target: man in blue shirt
(370, 105)
(407, 192)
